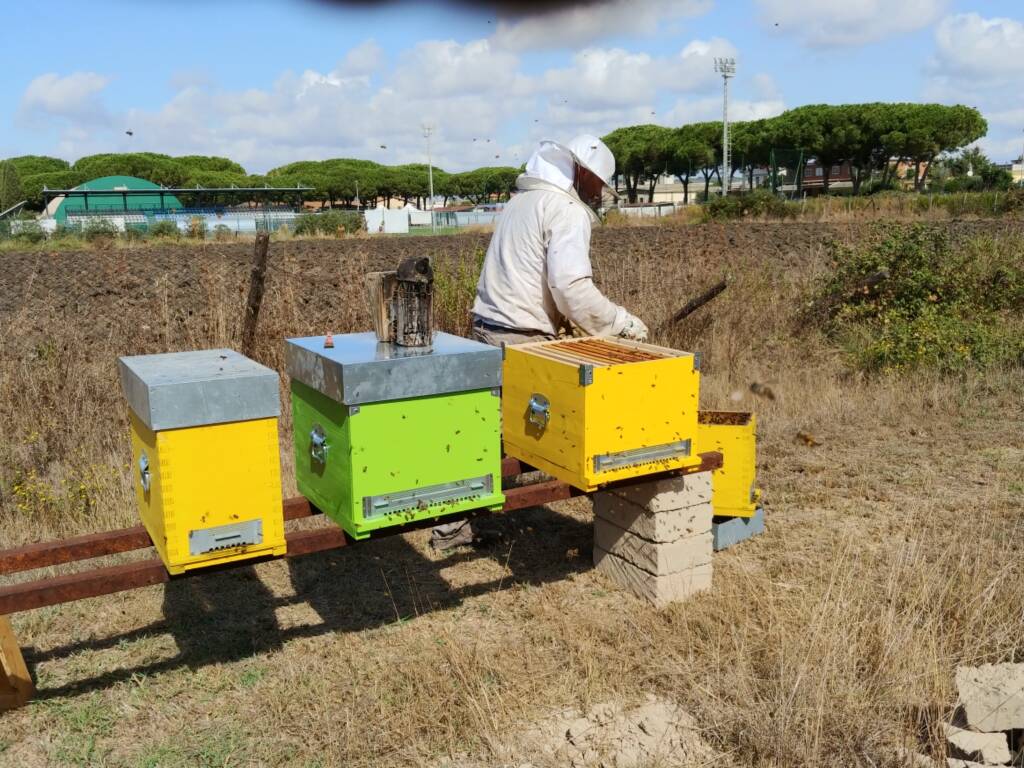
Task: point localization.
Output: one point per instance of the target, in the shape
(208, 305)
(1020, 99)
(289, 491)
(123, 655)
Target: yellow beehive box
(734, 491)
(592, 411)
(205, 458)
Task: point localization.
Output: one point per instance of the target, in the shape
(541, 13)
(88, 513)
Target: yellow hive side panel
(558, 448)
(150, 503)
(733, 491)
(218, 475)
(640, 405)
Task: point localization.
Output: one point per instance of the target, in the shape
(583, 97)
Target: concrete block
(660, 559)
(658, 590)
(661, 526)
(733, 530)
(992, 696)
(667, 493)
(991, 748)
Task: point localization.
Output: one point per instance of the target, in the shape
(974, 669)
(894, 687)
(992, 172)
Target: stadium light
(427, 131)
(726, 68)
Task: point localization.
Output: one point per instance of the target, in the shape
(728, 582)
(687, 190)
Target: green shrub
(915, 299)
(760, 202)
(135, 233)
(874, 186)
(165, 228)
(329, 223)
(28, 231)
(99, 229)
(65, 232)
(963, 184)
(222, 233)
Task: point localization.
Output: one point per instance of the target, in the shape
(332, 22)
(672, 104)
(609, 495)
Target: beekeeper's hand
(634, 329)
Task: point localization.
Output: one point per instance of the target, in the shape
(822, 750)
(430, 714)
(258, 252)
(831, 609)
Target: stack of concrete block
(992, 713)
(654, 538)
(988, 726)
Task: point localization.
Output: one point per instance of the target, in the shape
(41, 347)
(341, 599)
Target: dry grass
(892, 555)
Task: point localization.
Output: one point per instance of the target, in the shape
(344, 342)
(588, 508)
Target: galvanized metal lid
(360, 369)
(192, 389)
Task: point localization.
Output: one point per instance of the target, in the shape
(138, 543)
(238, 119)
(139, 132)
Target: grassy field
(892, 555)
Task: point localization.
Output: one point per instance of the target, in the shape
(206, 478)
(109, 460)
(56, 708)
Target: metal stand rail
(16, 684)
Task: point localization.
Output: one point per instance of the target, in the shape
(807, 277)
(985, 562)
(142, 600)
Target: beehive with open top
(594, 410)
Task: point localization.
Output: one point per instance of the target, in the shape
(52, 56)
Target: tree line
(875, 139)
(333, 181)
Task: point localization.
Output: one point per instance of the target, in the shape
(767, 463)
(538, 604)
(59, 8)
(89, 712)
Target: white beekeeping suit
(537, 271)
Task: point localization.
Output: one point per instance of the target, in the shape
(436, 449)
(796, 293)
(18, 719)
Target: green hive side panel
(328, 483)
(399, 461)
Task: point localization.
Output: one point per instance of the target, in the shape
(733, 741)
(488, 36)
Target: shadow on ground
(231, 615)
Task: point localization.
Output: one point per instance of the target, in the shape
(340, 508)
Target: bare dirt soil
(114, 293)
(892, 555)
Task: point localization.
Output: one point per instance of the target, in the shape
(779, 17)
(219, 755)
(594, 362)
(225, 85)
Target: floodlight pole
(427, 130)
(726, 68)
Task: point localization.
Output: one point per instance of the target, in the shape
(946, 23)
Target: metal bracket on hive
(421, 498)
(201, 541)
(538, 411)
(636, 456)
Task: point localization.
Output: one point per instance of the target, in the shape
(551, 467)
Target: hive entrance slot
(728, 418)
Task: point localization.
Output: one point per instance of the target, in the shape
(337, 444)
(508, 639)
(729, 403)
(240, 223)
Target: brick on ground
(667, 493)
(989, 748)
(659, 559)
(658, 590)
(664, 526)
(992, 696)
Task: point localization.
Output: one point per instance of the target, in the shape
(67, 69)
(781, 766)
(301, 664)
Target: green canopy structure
(109, 194)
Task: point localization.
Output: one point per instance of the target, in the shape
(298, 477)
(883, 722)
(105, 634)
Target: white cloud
(764, 86)
(444, 67)
(586, 23)
(599, 78)
(824, 23)
(980, 62)
(72, 97)
(365, 59)
(988, 52)
(710, 108)
(487, 108)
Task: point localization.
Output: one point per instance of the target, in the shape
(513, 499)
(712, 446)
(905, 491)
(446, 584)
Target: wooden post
(257, 280)
(16, 686)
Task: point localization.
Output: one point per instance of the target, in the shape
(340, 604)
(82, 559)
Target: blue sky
(271, 81)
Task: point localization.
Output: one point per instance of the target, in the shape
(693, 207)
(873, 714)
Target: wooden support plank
(16, 686)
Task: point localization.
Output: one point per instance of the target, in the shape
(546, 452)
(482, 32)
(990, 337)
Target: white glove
(634, 329)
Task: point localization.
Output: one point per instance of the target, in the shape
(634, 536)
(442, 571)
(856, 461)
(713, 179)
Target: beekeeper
(537, 273)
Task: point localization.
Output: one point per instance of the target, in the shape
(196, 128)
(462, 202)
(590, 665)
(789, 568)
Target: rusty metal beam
(48, 553)
(142, 573)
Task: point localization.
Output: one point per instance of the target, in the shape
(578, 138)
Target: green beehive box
(387, 435)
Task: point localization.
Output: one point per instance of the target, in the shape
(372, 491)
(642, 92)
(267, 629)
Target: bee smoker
(401, 303)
